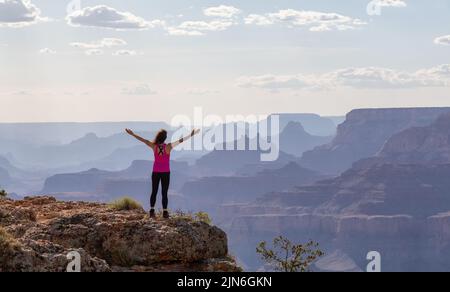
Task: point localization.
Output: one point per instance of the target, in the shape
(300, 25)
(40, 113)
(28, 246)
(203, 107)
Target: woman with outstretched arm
(161, 166)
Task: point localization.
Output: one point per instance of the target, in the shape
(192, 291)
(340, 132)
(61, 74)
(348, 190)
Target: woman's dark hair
(161, 137)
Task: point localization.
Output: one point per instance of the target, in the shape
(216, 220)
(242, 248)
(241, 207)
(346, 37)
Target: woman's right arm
(145, 141)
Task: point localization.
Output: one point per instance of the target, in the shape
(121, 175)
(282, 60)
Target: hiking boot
(166, 215)
(152, 214)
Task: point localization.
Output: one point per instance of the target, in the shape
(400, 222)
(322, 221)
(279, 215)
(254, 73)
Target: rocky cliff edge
(37, 234)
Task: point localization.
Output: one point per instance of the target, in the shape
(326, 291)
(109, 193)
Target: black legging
(164, 178)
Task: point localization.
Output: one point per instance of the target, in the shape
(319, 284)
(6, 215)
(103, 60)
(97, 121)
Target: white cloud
(224, 18)
(19, 13)
(199, 28)
(103, 43)
(125, 53)
(391, 3)
(276, 82)
(201, 91)
(315, 21)
(141, 89)
(374, 77)
(47, 51)
(176, 31)
(222, 11)
(443, 40)
(96, 48)
(106, 17)
(375, 7)
(257, 19)
(366, 77)
(439, 74)
(94, 52)
(215, 25)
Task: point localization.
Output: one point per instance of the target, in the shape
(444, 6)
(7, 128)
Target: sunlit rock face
(396, 202)
(37, 234)
(363, 134)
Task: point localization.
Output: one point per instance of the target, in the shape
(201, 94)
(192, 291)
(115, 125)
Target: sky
(136, 60)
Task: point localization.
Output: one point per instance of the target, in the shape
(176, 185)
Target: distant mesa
(295, 140)
(363, 134)
(313, 124)
(101, 185)
(210, 192)
(396, 198)
(220, 162)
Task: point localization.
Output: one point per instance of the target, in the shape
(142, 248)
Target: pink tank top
(162, 159)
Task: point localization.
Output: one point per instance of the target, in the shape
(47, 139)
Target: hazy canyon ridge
(375, 180)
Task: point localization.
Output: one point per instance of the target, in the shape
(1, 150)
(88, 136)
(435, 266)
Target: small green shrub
(120, 255)
(289, 257)
(203, 217)
(125, 204)
(7, 242)
(190, 216)
(3, 194)
(9, 248)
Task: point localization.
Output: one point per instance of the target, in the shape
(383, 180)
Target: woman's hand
(176, 143)
(145, 141)
(130, 132)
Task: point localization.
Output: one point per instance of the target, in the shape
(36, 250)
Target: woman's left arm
(182, 140)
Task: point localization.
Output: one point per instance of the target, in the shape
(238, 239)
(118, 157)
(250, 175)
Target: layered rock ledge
(37, 233)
